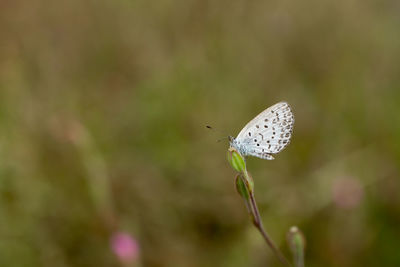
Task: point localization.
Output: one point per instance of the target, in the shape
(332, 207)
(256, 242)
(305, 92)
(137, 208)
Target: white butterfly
(268, 133)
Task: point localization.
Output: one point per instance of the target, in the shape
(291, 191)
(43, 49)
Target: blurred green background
(103, 107)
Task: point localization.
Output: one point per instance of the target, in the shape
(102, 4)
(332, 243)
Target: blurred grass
(144, 78)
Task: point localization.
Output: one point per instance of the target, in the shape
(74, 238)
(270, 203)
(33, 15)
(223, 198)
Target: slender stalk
(256, 218)
(245, 187)
(259, 225)
(299, 262)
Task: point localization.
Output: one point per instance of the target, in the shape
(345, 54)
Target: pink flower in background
(347, 192)
(125, 247)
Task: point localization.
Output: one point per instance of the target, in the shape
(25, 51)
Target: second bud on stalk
(244, 182)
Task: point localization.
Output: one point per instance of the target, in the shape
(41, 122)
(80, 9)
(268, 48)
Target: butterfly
(268, 133)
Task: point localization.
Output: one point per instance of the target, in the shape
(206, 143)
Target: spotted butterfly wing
(268, 133)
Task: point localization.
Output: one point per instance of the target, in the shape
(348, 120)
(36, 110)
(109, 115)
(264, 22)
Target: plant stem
(300, 259)
(298, 255)
(259, 225)
(253, 209)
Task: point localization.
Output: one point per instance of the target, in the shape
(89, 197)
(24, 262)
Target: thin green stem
(299, 256)
(299, 262)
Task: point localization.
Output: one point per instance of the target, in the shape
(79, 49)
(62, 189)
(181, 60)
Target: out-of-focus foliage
(103, 107)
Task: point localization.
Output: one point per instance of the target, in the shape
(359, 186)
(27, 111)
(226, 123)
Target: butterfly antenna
(211, 128)
(219, 140)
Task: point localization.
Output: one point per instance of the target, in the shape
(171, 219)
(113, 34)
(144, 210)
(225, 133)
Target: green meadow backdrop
(105, 159)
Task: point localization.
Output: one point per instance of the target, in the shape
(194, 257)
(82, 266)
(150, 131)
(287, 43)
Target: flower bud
(241, 187)
(236, 160)
(297, 243)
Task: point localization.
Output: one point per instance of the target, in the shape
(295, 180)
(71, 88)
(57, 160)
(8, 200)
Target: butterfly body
(268, 133)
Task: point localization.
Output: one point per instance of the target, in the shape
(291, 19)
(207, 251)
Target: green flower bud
(297, 244)
(241, 187)
(236, 160)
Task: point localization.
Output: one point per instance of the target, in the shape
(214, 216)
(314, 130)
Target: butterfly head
(233, 142)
